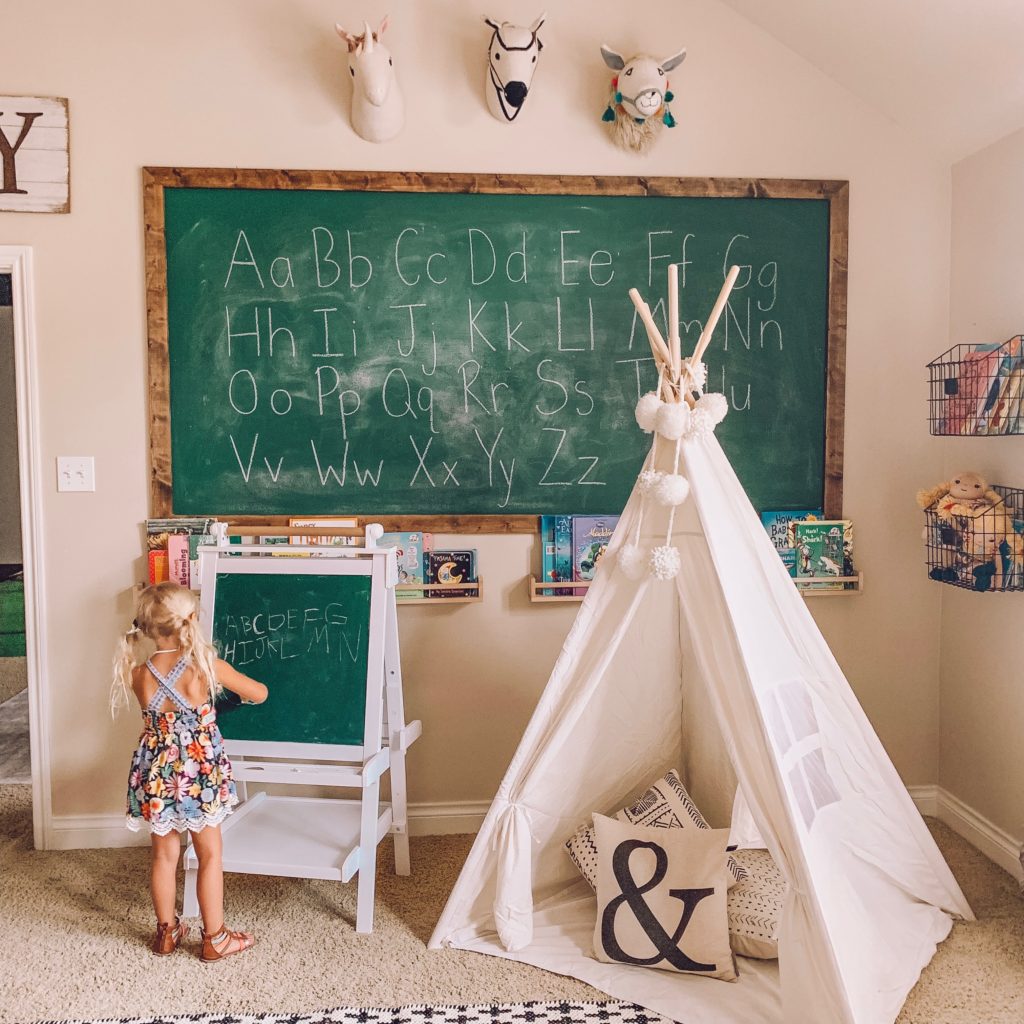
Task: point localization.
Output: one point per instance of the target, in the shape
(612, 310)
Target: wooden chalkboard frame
(157, 179)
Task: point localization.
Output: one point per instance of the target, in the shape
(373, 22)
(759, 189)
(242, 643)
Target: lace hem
(179, 824)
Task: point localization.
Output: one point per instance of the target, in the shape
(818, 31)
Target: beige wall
(982, 697)
(259, 83)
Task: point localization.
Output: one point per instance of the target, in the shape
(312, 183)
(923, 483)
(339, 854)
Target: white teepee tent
(721, 671)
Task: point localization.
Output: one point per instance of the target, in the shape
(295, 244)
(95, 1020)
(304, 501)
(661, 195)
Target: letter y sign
(34, 171)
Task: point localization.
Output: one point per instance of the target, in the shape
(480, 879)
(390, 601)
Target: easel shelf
(477, 593)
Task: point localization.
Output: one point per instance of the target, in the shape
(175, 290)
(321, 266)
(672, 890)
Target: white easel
(318, 837)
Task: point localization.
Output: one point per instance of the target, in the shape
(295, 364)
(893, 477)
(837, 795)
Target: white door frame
(16, 260)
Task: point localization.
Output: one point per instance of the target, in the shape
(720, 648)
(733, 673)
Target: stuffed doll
(983, 528)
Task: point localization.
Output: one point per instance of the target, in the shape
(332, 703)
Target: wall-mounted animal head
(378, 112)
(511, 61)
(640, 97)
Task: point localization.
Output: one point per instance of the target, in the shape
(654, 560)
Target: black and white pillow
(755, 906)
(661, 898)
(666, 804)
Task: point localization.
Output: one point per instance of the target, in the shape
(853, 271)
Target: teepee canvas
(710, 662)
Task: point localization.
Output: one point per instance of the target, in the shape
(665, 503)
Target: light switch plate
(76, 473)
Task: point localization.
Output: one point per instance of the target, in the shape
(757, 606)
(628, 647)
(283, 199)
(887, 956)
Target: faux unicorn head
(511, 61)
(638, 108)
(378, 112)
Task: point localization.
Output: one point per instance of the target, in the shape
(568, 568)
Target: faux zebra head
(511, 61)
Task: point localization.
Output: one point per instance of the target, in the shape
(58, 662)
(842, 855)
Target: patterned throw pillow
(665, 805)
(755, 905)
(661, 898)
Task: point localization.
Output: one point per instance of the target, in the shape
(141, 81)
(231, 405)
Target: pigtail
(202, 653)
(124, 662)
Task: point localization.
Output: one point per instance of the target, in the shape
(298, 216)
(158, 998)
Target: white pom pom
(701, 425)
(694, 375)
(715, 405)
(665, 562)
(648, 480)
(672, 489)
(673, 419)
(647, 411)
(632, 561)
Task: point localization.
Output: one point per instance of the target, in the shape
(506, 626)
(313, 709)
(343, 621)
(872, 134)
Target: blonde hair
(167, 614)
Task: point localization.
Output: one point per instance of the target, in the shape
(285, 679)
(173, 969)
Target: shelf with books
(830, 586)
(549, 593)
(434, 593)
(977, 390)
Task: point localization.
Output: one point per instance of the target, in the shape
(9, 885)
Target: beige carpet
(74, 927)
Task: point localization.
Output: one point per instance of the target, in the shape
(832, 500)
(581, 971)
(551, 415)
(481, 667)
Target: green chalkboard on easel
(456, 346)
(306, 637)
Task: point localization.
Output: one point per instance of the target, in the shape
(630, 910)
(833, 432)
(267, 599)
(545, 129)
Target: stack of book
(813, 548)
(172, 549)
(571, 548)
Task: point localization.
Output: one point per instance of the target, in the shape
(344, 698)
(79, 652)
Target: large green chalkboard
(394, 345)
(306, 637)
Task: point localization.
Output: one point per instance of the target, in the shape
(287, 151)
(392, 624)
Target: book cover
(824, 548)
(961, 403)
(177, 559)
(778, 524)
(563, 550)
(157, 566)
(321, 539)
(411, 551)
(1011, 399)
(993, 408)
(448, 568)
(195, 540)
(590, 537)
(977, 369)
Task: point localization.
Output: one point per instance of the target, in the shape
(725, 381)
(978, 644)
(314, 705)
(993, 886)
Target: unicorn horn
(368, 37)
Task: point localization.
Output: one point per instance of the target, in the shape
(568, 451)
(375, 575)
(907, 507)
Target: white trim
(926, 798)
(95, 831)
(994, 842)
(16, 260)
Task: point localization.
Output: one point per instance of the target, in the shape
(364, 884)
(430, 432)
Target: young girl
(180, 776)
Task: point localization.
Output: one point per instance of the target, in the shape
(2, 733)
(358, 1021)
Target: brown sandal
(169, 937)
(224, 943)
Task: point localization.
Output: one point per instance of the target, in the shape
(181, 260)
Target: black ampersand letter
(632, 894)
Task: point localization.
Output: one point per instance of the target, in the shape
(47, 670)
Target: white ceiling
(951, 71)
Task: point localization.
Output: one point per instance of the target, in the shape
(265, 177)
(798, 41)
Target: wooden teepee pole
(709, 328)
(673, 319)
(658, 346)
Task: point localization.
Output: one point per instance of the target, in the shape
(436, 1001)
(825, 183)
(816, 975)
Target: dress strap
(165, 686)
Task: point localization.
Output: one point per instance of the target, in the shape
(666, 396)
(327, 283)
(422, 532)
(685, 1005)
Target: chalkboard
(455, 346)
(307, 638)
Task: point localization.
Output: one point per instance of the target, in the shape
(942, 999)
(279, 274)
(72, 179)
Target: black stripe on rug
(483, 1013)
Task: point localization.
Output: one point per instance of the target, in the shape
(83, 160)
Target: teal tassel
(668, 120)
(618, 97)
(669, 96)
(609, 114)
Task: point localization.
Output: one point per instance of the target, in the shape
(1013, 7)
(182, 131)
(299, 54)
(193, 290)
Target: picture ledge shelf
(565, 591)
(430, 589)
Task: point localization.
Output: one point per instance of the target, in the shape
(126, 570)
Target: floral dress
(180, 776)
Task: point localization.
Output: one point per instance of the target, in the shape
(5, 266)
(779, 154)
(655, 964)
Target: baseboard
(98, 831)
(926, 798)
(994, 842)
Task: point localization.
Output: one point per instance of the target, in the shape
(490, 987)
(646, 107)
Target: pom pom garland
(647, 411)
(701, 425)
(665, 562)
(671, 489)
(648, 480)
(673, 420)
(633, 561)
(694, 374)
(715, 405)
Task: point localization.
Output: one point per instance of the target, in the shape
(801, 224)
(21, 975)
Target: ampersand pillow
(661, 898)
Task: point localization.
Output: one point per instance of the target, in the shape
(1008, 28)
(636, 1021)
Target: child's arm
(246, 688)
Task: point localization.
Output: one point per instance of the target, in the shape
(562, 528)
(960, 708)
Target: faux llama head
(511, 61)
(638, 108)
(378, 112)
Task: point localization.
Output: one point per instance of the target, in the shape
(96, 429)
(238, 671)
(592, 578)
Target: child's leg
(163, 875)
(218, 941)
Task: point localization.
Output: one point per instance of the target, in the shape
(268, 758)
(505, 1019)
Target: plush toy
(511, 61)
(980, 528)
(638, 106)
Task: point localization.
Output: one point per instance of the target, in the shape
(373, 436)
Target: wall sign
(34, 169)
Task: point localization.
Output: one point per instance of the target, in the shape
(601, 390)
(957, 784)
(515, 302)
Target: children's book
(824, 548)
(157, 566)
(555, 558)
(451, 567)
(992, 414)
(977, 370)
(194, 542)
(590, 537)
(563, 549)
(177, 559)
(322, 539)
(779, 525)
(1013, 393)
(411, 551)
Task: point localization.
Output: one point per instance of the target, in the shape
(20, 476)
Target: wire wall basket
(977, 390)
